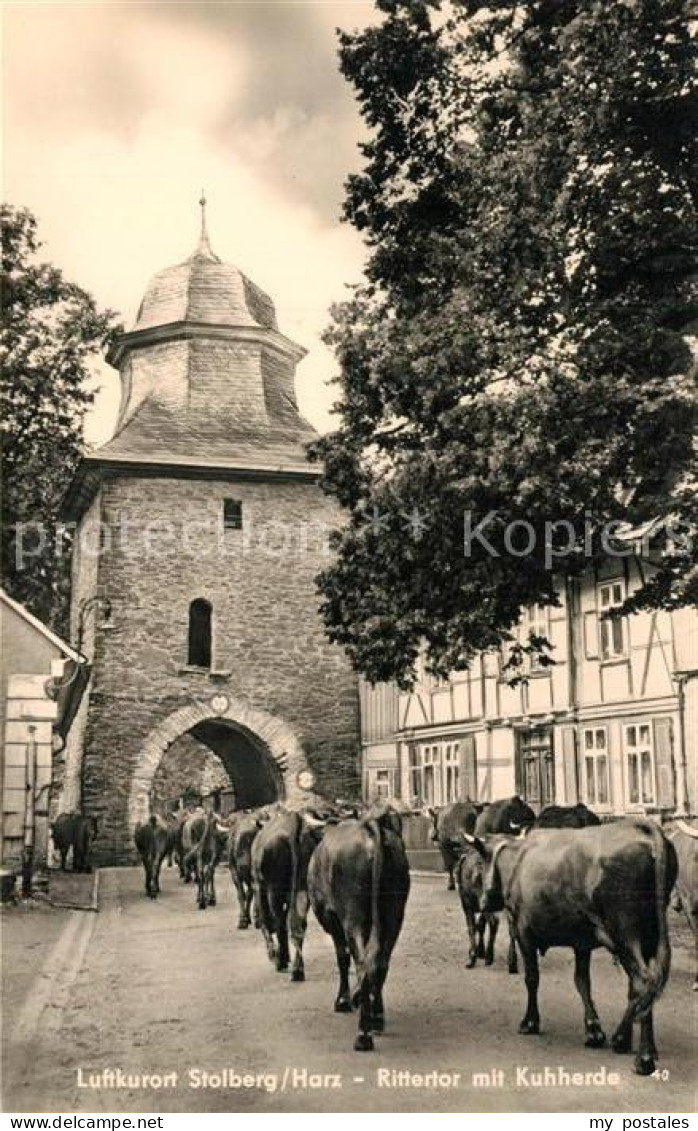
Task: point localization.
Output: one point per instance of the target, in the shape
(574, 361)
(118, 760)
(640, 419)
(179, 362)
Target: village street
(162, 989)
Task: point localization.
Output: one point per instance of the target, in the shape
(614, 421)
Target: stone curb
(94, 897)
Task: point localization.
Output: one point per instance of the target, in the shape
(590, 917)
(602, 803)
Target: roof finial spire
(204, 250)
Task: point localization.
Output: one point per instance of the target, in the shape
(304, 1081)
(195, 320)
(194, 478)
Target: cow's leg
(512, 959)
(362, 997)
(342, 1002)
(158, 866)
(364, 1038)
(622, 1039)
(647, 1051)
(449, 866)
(640, 1001)
(64, 857)
(266, 923)
(489, 951)
(378, 1010)
(298, 921)
(211, 883)
(200, 877)
(531, 1019)
(595, 1036)
(480, 927)
(470, 924)
(247, 904)
(244, 917)
(279, 918)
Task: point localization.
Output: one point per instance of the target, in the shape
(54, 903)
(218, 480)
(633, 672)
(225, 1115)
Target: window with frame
(595, 767)
(536, 623)
(435, 773)
(640, 771)
(451, 772)
(381, 784)
(200, 633)
(612, 630)
(232, 514)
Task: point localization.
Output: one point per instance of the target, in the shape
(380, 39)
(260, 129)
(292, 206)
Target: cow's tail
(656, 970)
(374, 939)
(295, 864)
(662, 960)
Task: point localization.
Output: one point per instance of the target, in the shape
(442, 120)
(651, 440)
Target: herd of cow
(562, 879)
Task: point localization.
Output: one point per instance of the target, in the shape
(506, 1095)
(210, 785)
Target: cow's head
(519, 817)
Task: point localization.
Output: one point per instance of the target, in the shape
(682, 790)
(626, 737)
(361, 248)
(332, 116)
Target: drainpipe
(29, 816)
(681, 679)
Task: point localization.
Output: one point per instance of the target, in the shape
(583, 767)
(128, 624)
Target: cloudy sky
(117, 114)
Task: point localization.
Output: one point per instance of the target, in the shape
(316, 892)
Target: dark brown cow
(684, 838)
(470, 872)
(183, 839)
(152, 840)
(450, 822)
(76, 831)
(358, 882)
(281, 852)
(204, 841)
(470, 875)
(566, 817)
(509, 816)
(244, 828)
(607, 886)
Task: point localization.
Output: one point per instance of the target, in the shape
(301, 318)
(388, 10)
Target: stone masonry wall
(269, 649)
(187, 765)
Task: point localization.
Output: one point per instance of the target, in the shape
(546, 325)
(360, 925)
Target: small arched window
(200, 614)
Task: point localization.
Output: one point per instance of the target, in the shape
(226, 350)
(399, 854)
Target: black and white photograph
(349, 596)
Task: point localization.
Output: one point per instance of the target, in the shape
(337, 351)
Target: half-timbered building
(612, 722)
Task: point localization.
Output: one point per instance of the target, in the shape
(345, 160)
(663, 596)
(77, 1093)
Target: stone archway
(261, 730)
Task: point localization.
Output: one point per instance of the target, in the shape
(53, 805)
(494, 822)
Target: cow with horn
(605, 885)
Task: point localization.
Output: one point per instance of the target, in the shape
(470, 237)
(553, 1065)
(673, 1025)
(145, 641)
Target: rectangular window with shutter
(596, 791)
(451, 768)
(536, 623)
(640, 772)
(612, 630)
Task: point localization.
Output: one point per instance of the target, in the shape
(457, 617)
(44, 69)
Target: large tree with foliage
(51, 329)
(519, 349)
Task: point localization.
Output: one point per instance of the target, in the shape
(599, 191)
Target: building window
(595, 780)
(611, 629)
(451, 769)
(232, 514)
(536, 623)
(435, 773)
(200, 615)
(381, 784)
(639, 764)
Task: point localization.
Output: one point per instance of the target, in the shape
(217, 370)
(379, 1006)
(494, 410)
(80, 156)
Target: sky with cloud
(117, 114)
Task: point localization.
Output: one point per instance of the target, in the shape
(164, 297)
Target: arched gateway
(261, 754)
(201, 527)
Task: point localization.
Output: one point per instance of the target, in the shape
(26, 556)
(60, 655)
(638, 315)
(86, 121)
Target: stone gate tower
(200, 529)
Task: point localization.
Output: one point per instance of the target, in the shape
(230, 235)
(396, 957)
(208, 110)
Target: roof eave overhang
(186, 330)
(94, 469)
